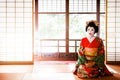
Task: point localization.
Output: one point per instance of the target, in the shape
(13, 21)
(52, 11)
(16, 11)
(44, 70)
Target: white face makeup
(90, 31)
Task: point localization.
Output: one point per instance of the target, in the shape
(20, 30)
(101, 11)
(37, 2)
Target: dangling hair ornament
(96, 23)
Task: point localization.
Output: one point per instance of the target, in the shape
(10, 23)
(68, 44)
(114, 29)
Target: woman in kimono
(91, 54)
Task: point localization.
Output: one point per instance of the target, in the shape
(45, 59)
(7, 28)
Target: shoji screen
(16, 30)
(113, 30)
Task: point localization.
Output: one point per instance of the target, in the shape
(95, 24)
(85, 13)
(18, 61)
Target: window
(61, 23)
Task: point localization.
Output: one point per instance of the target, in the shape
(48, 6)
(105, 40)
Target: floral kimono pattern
(91, 59)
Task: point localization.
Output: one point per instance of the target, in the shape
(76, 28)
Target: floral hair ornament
(96, 23)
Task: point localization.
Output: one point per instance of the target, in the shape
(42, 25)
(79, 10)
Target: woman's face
(90, 31)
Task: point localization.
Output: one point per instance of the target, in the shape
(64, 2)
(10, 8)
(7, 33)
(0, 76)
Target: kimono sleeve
(81, 56)
(101, 55)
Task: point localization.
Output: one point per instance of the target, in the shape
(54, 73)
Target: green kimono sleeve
(81, 58)
(99, 60)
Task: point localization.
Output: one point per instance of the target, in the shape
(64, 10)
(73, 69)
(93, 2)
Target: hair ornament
(96, 23)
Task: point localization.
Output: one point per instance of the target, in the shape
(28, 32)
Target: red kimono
(91, 59)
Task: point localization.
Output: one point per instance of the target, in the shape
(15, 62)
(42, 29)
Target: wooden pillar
(98, 14)
(67, 26)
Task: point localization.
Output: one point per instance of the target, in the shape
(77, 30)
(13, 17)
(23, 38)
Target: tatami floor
(48, 70)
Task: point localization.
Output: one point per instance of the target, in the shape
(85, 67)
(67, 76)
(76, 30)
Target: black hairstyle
(92, 24)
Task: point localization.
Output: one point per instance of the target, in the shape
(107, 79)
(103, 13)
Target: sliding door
(113, 31)
(16, 31)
